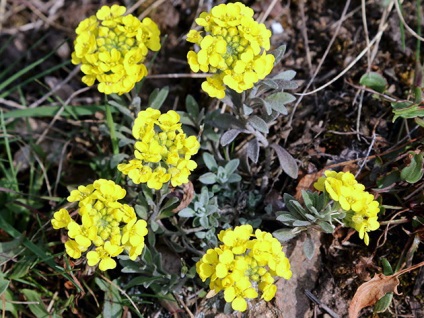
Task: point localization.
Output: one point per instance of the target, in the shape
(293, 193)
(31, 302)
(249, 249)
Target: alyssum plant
(111, 48)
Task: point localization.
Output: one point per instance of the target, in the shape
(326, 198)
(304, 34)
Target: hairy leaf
(286, 75)
(192, 107)
(287, 162)
(259, 124)
(229, 136)
(309, 247)
(252, 150)
(210, 161)
(278, 53)
(157, 98)
(285, 235)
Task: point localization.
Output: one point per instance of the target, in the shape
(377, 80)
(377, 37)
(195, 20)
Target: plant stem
(111, 126)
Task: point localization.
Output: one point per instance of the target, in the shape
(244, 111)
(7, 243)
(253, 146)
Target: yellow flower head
(244, 265)
(162, 150)
(359, 204)
(107, 227)
(232, 46)
(111, 49)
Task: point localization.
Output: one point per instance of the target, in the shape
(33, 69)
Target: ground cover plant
(211, 158)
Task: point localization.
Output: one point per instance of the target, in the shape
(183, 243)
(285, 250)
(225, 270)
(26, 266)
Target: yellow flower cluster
(112, 47)
(107, 227)
(162, 151)
(244, 265)
(359, 204)
(233, 47)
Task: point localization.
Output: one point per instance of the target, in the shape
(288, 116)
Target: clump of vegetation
(180, 202)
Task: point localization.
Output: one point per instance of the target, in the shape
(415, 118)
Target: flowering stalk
(360, 206)
(162, 151)
(244, 265)
(107, 226)
(111, 49)
(232, 46)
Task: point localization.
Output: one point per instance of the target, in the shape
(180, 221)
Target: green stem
(111, 126)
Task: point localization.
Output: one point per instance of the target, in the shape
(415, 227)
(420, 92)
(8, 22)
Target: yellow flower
(61, 219)
(244, 265)
(360, 205)
(162, 150)
(104, 254)
(111, 49)
(233, 48)
(107, 226)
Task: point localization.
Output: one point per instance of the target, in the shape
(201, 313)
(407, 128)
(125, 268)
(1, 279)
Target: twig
(367, 155)
(320, 304)
(268, 11)
(55, 88)
(122, 292)
(146, 12)
(320, 64)
(135, 6)
(376, 38)
(56, 117)
(399, 12)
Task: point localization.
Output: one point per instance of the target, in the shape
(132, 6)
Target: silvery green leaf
(278, 100)
(122, 109)
(229, 136)
(278, 53)
(287, 162)
(258, 123)
(252, 150)
(213, 222)
(233, 178)
(286, 75)
(308, 247)
(247, 110)
(284, 85)
(200, 235)
(112, 307)
(326, 227)
(117, 159)
(204, 221)
(123, 141)
(286, 217)
(210, 161)
(157, 97)
(285, 235)
(204, 197)
(141, 211)
(310, 217)
(233, 98)
(192, 107)
(226, 121)
(210, 209)
(301, 223)
(231, 166)
(270, 83)
(185, 119)
(257, 101)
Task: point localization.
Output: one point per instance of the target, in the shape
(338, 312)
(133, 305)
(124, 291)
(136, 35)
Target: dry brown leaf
(306, 183)
(187, 197)
(370, 292)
